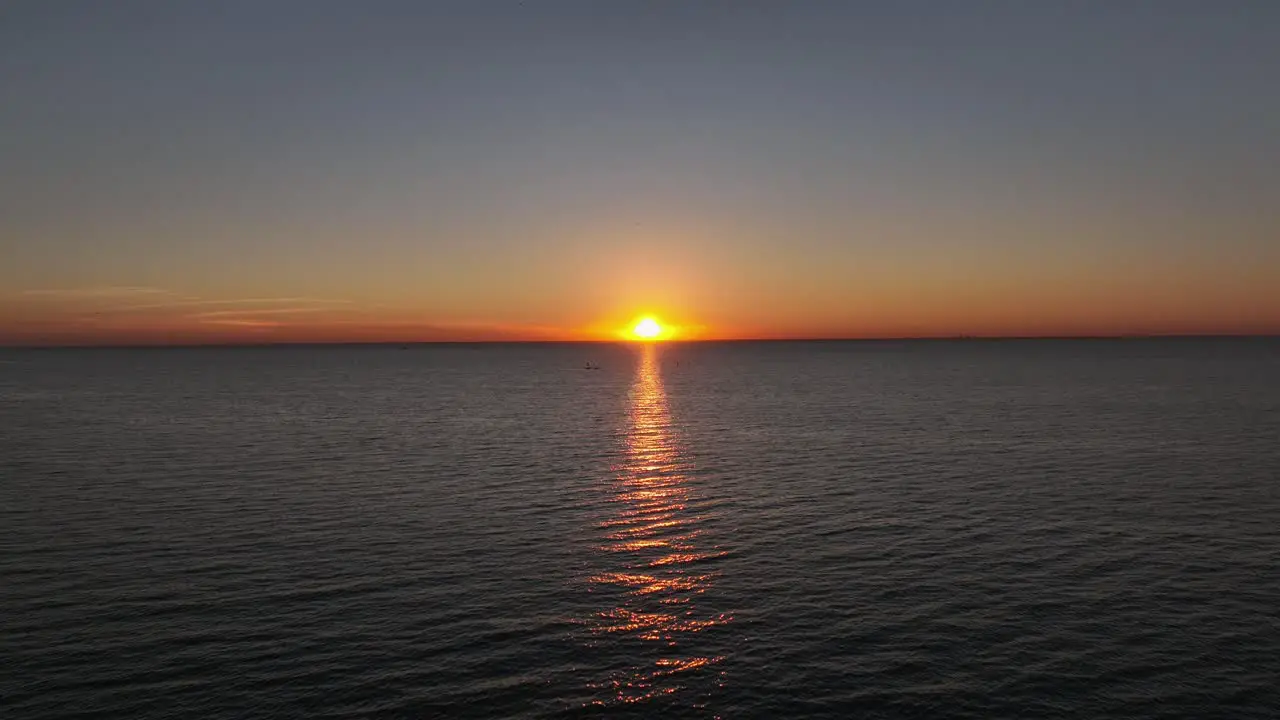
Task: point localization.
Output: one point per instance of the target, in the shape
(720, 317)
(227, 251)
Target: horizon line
(604, 341)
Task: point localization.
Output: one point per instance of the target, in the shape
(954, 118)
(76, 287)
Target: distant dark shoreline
(736, 341)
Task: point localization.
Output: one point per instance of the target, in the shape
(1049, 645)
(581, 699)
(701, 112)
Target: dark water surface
(977, 529)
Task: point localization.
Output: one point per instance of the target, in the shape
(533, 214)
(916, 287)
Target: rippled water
(917, 530)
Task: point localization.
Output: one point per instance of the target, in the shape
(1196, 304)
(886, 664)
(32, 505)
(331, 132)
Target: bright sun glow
(647, 329)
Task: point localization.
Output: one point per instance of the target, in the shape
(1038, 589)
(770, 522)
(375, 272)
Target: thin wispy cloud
(245, 323)
(257, 312)
(454, 328)
(96, 292)
(199, 302)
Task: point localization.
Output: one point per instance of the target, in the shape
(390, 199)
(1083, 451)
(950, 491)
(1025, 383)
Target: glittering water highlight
(652, 541)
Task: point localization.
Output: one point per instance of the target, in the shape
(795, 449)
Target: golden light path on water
(659, 568)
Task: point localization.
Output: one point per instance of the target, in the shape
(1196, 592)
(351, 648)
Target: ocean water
(968, 529)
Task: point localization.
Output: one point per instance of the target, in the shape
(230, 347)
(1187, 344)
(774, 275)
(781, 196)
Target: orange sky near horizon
(927, 308)
(694, 280)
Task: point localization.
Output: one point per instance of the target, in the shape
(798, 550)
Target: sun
(647, 329)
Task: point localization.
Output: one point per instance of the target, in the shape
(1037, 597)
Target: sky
(175, 171)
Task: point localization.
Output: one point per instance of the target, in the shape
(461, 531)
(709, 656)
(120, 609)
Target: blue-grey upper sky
(541, 168)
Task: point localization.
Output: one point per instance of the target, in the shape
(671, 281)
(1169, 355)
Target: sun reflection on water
(657, 568)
